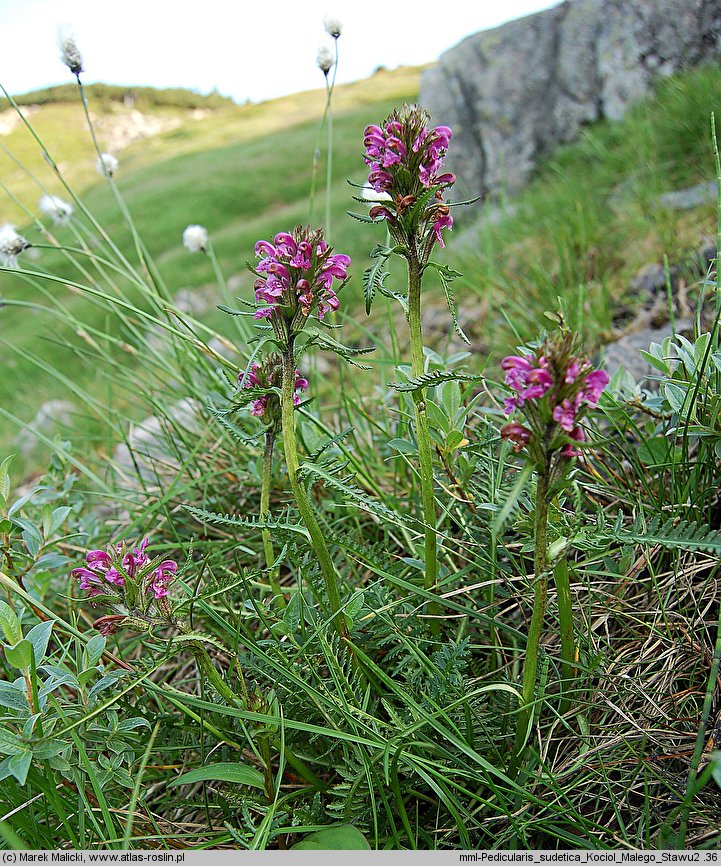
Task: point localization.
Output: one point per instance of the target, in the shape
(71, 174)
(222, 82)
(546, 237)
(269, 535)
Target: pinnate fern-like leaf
(435, 377)
(216, 519)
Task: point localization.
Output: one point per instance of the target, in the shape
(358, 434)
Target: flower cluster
(325, 60)
(70, 53)
(295, 276)
(58, 210)
(195, 239)
(128, 581)
(11, 245)
(406, 158)
(107, 164)
(553, 388)
(269, 375)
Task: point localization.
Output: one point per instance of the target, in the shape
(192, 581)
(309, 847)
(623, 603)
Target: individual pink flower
(565, 415)
(570, 450)
(594, 384)
(162, 576)
(519, 435)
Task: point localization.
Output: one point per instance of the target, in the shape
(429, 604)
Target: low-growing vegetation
(348, 585)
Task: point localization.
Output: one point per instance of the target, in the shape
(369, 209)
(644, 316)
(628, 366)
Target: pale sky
(246, 49)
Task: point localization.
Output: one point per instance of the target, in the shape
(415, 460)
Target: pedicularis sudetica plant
(134, 591)
(297, 278)
(553, 389)
(406, 187)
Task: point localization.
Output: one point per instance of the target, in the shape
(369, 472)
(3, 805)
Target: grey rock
(651, 278)
(514, 93)
(626, 351)
(51, 417)
(154, 450)
(692, 196)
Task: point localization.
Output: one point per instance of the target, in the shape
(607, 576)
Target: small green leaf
(374, 277)
(454, 440)
(429, 380)
(93, 651)
(10, 743)
(292, 613)
(344, 837)
(57, 518)
(9, 623)
(19, 765)
(20, 655)
(5, 478)
(39, 636)
(403, 445)
(239, 774)
(353, 606)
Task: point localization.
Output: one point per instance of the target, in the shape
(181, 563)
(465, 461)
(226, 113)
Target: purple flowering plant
(131, 586)
(553, 388)
(405, 188)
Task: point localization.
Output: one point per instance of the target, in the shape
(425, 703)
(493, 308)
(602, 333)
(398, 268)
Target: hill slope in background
(589, 220)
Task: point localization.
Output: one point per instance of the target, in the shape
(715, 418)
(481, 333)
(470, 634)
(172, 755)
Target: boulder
(514, 93)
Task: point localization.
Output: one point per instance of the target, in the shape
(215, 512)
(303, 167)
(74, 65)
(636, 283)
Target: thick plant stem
(207, 668)
(304, 506)
(423, 438)
(265, 512)
(540, 595)
(565, 616)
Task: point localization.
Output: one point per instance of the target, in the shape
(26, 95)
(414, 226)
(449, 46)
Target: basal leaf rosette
(131, 586)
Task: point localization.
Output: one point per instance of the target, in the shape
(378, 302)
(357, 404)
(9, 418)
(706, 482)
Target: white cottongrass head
(69, 52)
(333, 26)
(325, 59)
(370, 194)
(107, 164)
(195, 239)
(58, 210)
(11, 245)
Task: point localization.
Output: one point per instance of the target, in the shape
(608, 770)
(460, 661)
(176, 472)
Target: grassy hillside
(243, 172)
(582, 229)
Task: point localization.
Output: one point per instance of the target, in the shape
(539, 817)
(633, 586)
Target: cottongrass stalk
(196, 239)
(108, 166)
(326, 60)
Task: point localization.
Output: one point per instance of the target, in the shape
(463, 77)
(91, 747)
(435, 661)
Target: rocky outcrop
(514, 93)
